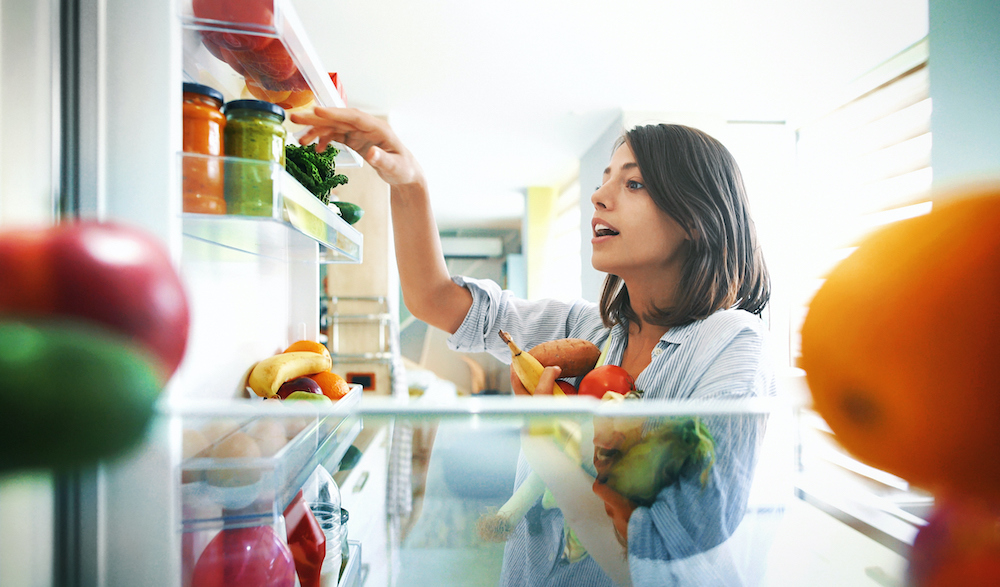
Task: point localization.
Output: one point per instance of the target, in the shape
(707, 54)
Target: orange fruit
(261, 93)
(309, 346)
(334, 386)
(296, 98)
(901, 347)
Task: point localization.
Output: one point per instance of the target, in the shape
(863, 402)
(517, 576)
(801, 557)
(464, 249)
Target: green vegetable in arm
(658, 459)
(315, 171)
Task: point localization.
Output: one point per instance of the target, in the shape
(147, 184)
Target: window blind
(863, 164)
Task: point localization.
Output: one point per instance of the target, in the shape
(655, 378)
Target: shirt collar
(676, 335)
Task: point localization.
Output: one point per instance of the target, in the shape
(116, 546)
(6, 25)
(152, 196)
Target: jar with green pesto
(254, 130)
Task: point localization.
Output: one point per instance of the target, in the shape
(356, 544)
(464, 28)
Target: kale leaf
(315, 171)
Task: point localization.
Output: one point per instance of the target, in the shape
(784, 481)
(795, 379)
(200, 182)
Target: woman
(680, 311)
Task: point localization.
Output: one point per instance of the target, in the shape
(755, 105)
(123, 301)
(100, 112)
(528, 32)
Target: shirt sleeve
(529, 322)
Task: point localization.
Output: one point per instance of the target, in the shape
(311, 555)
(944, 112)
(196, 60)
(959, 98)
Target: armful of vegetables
(573, 356)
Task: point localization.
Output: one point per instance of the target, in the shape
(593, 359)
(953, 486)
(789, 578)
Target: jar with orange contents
(204, 124)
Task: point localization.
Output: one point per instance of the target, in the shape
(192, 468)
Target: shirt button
(657, 352)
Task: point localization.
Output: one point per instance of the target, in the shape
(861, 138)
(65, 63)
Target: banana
(527, 367)
(268, 375)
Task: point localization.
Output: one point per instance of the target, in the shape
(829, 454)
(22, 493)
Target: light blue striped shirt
(722, 356)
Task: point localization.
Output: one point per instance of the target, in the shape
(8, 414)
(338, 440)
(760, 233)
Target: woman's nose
(599, 198)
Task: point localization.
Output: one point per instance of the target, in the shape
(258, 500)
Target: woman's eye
(633, 185)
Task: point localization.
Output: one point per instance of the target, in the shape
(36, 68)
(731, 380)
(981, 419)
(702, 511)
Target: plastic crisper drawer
(220, 491)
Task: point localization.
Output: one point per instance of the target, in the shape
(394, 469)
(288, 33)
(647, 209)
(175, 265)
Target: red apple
(111, 275)
(245, 556)
(299, 384)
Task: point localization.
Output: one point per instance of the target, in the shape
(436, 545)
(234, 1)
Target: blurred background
(513, 109)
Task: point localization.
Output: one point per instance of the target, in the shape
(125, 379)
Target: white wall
(965, 90)
(592, 166)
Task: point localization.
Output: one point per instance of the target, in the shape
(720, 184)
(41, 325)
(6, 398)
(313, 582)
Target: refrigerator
(91, 118)
(95, 133)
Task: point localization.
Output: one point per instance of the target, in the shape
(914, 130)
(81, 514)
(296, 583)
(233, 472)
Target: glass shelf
(288, 229)
(258, 51)
(467, 452)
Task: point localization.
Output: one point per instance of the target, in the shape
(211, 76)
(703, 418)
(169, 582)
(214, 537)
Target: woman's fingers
(547, 381)
(340, 118)
(370, 137)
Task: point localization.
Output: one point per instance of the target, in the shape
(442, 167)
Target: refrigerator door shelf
(267, 57)
(240, 491)
(289, 231)
(351, 577)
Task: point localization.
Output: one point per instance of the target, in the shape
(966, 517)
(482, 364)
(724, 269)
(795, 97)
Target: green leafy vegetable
(658, 459)
(315, 171)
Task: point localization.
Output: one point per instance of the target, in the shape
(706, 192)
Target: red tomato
(566, 387)
(254, 12)
(258, 14)
(290, 84)
(211, 41)
(245, 556)
(258, 91)
(269, 62)
(297, 99)
(112, 275)
(606, 378)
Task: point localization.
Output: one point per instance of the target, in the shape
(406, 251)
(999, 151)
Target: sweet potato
(574, 355)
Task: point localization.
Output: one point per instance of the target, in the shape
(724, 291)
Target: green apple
(308, 395)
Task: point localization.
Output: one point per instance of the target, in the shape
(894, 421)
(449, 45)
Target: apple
(305, 395)
(245, 556)
(303, 384)
(72, 394)
(111, 275)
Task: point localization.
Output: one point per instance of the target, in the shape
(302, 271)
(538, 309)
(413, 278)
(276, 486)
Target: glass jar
(204, 124)
(344, 550)
(254, 130)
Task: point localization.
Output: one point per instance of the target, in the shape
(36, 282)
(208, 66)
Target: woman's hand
(618, 507)
(370, 137)
(545, 383)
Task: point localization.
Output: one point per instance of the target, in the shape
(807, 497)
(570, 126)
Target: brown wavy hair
(695, 179)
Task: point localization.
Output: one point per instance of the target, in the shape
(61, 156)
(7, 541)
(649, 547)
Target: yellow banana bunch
(268, 375)
(527, 367)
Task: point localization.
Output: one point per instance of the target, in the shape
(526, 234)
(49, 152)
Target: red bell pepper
(306, 541)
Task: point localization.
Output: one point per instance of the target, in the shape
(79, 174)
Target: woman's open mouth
(602, 231)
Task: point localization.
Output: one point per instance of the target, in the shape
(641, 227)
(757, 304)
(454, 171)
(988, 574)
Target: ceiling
(494, 97)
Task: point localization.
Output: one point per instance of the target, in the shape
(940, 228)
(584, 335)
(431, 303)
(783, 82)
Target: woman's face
(632, 237)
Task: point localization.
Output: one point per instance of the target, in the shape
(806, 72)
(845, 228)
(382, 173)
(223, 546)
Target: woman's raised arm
(428, 291)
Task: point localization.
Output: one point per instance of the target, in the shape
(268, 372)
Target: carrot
(575, 356)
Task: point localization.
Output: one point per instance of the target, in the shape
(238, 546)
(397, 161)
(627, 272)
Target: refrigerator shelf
(288, 231)
(252, 491)
(268, 59)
